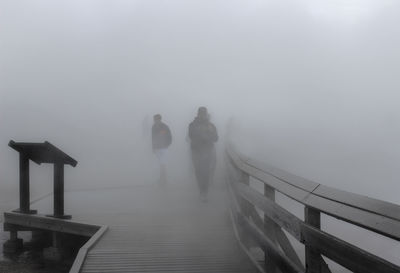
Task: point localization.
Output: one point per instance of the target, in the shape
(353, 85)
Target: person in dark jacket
(203, 134)
(161, 140)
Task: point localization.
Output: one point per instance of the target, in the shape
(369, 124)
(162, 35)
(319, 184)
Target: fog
(312, 87)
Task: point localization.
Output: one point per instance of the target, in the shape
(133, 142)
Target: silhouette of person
(161, 140)
(203, 134)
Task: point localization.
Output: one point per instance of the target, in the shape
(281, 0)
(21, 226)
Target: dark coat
(161, 136)
(202, 134)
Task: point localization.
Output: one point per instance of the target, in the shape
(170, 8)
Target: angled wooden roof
(42, 152)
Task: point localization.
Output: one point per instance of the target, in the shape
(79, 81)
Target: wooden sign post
(41, 153)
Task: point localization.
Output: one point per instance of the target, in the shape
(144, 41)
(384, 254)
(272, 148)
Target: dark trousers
(204, 161)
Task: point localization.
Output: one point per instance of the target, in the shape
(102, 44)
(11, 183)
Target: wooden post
(245, 207)
(313, 258)
(14, 244)
(24, 197)
(245, 179)
(270, 265)
(24, 193)
(41, 153)
(13, 235)
(56, 242)
(55, 252)
(59, 191)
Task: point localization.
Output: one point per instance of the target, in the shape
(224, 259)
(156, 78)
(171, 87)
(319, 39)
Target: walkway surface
(159, 229)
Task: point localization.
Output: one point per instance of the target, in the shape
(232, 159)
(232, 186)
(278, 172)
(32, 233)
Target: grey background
(312, 86)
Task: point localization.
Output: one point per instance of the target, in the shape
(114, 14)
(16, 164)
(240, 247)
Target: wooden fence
(267, 230)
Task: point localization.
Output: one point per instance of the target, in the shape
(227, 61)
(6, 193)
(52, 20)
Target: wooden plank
(288, 248)
(371, 221)
(52, 224)
(11, 227)
(345, 254)
(280, 259)
(170, 231)
(281, 238)
(42, 152)
(287, 189)
(272, 210)
(240, 206)
(339, 251)
(361, 212)
(358, 201)
(284, 176)
(80, 258)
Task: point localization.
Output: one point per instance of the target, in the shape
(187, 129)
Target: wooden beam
(335, 249)
(11, 227)
(375, 215)
(80, 258)
(276, 213)
(51, 224)
(281, 238)
(345, 254)
(280, 259)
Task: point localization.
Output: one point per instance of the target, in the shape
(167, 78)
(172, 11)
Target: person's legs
(213, 164)
(208, 169)
(200, 168)
(161, 155)
(197, 168)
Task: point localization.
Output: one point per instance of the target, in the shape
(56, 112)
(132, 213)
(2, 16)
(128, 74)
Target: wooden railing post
(370, 214)
(246, 206)
(270, 265)
(245, 179)
(313, 258)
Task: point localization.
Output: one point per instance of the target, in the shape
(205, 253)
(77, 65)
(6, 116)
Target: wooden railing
(267, 231)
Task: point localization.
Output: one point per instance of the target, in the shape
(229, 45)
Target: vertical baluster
(245, 179)
(313, 258)
(269, 193)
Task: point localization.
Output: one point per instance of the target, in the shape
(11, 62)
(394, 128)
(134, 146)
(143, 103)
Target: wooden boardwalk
(159, 229)
(150, 228)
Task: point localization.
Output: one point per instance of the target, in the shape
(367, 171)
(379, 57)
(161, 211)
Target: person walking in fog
(203, 134)
(161, 140)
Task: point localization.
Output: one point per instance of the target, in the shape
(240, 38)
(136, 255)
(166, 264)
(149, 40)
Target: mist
(312, 87)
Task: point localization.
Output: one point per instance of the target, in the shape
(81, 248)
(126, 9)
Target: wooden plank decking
(154, 229)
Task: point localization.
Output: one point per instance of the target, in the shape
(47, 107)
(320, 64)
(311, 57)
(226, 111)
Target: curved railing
(267, 231)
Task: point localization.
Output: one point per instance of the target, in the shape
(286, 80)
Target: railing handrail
(372, 214)
(267, 231)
